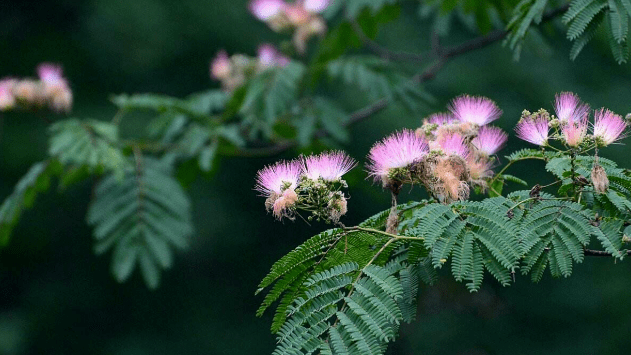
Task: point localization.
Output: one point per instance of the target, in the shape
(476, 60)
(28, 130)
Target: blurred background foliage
(56, 297)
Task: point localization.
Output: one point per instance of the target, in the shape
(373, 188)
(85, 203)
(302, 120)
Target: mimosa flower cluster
(50, 89)
(234, 71)
(571, 126)
(301, 16)
(312, 184)
(451, 151)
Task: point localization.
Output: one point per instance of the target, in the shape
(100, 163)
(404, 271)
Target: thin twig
(589, 252)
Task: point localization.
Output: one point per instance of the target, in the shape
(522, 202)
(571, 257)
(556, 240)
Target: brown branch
(589, 252)
(443, 56)
(384, 53)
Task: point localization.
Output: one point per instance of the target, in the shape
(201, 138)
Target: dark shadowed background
(57, 297)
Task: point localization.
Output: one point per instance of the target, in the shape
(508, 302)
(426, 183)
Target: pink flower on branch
(315, 6)
(330, 166)
(220, 67)
(533, 130)
(276, 178)
(266, 9)
(454, 144)
(475, 109)
(608, 127)
(399, 150)
(269, 56)
(569, 108)
(574, 132)
(489, 140)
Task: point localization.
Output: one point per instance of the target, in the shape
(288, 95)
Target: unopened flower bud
(599, 179)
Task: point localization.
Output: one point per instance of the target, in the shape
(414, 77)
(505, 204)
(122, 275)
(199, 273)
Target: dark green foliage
(352, 8)
(378, 79)
(525, 14)
(36, 180)
(142, 217)
(476, 15)
(270, 95)
(585, 17)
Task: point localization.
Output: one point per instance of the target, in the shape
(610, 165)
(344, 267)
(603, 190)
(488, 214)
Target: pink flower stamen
(330, 166)
(535, 130)
(489, 140)
(608, 126)
(475, 109)
(398, 150)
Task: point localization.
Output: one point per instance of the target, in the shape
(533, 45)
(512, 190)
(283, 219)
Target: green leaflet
(142, 218)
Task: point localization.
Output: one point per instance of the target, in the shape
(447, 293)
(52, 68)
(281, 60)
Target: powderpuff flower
(454, 144)
(399, 150)
(266, 9)
(489, 140)
(329, 166)
(574, 132)
(220, 67)
(533, 130)
(315, 6)
(608, 127)
(50, 73)
(569, 108)
(475, 109)
(276, 178)
(269, 56)
(7, 100)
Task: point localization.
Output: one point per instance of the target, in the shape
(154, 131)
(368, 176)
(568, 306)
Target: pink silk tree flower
(454, 144)
(569, 108)
(50, 73)
(220, 67)
(574, 132)
(489, 140)
(269, 56)
(7, 100)
(273, 179)
(329, 166)
(398, 150)
(315, 6)
(533, 130)
(608, 127)
(266, 9)
(475, 109)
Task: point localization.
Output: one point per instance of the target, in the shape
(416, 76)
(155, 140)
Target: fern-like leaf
(36, 180)
(143, 216)
(90, 143)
